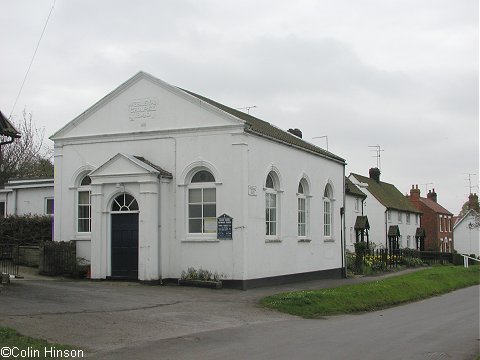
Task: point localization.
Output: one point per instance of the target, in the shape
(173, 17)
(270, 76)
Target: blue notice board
(224, 227)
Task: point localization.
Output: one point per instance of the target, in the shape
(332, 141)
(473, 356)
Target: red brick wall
(430, 221)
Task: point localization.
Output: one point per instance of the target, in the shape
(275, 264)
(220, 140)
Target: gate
(9, 259)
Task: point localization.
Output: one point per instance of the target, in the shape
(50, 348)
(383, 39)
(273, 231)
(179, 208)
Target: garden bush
(26, 229)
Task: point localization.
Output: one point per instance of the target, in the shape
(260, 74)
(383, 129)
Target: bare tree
(27, 156)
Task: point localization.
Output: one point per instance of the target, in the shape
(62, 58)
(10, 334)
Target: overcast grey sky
(402, 74)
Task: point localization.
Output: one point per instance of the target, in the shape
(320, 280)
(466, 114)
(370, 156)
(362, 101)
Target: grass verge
(374, 295)
(13, 345)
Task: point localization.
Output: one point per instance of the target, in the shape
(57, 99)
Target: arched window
(84, 206)
(303, 210)
(202, 203)
(271, 206)
(124, 202)
(327, 212)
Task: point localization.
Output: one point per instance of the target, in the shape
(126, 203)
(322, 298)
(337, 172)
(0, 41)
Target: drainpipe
(386, 230)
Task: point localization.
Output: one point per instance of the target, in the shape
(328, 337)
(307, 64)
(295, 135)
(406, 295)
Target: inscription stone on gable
(141, 109)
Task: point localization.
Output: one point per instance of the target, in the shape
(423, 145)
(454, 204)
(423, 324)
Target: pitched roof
(265, 129)
(162, 172)
(352, 189)
(361, 223)
(393, 230)
(253, 125)
(470, 212)
(420, 232)
(434, 206)
(6, 127)
(387, 194)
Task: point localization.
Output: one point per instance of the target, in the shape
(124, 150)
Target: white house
(27, 196)
(354, 200)
(390, 213)
(142, 176)
(466, 233)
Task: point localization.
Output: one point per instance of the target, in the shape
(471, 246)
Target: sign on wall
(145, 108)
(224, 227)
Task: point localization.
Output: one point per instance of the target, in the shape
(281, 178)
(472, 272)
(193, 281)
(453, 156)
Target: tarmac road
(444, 327)
(114, 320)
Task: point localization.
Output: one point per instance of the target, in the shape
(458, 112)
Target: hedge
(26, 229)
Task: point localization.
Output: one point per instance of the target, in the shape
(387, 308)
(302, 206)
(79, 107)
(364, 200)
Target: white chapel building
(153, 179)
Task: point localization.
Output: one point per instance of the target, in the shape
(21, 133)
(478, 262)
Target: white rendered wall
(26, 201)
(467, 241)
(350, 218)
(405, 229)
(289, 256)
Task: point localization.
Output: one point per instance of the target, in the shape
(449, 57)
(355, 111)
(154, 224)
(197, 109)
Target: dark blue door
(125, 246)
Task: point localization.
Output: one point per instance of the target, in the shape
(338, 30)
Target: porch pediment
(125, 165)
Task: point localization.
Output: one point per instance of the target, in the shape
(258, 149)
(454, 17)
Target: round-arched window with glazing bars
(124, 202)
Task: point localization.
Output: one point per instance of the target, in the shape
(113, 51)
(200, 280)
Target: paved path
(105, 317)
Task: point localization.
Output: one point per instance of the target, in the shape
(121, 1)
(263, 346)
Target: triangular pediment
(127, 165)
(145, 104)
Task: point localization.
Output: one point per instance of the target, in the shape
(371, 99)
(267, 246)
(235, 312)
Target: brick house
(436, 220)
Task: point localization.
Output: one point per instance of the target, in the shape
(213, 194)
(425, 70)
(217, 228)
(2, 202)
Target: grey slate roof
(361, 223)
(393, 230)
(263, 128)
(163, 173)
(352, 189)
(388, 195)
(420, 232)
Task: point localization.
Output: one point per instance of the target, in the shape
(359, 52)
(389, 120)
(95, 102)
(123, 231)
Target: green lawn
(374, 295)
(14, 345)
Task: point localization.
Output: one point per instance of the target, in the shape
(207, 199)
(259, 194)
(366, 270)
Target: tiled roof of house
(435, 206)
(6, 128)
(263, 128)
(352, 189)
(388, 195)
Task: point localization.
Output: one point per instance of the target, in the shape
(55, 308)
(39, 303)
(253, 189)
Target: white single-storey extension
(27, 197)
(143, 177)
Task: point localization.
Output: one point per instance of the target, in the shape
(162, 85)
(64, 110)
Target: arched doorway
(124, 242)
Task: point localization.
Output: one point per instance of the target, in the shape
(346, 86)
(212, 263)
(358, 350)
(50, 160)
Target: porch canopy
(361, 229)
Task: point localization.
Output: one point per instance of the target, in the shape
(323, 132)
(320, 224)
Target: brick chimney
(374, 174)
(415, 193)
(432, 195)
(296, 132)
(473, 202)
